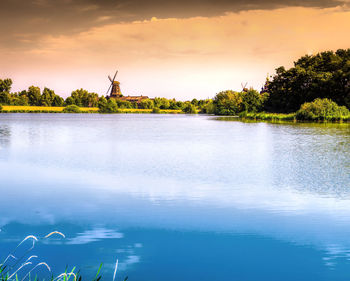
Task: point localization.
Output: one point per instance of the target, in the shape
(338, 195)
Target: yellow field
(137, 110)
(15, 108)
(42, 108)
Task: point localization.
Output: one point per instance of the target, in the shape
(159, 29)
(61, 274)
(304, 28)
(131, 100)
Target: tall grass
(269, 116)
(21, 267)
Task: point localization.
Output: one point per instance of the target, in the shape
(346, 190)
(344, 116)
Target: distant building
(117, 94)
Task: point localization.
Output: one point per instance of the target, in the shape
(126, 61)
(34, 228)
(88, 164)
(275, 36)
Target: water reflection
(5, 135)
(159, 191)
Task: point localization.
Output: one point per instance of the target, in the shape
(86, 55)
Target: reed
(23, 267)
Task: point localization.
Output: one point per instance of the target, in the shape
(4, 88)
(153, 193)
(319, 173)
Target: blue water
(176, 197)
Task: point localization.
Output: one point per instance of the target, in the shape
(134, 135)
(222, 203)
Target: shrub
(322, 109)
(189, 108)
(156, 110)
(0, 107)
(208, 108)
(146, 104)
(228, 103)
(109, 106)
(72, 109)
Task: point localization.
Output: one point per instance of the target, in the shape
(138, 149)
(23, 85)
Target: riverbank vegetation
(316, 88)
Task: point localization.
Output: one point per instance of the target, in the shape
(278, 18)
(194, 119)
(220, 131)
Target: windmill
(115, 85)
(244, 87)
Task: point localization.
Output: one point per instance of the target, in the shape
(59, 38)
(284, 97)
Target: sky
(180, 49)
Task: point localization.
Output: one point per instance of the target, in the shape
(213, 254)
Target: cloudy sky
(181, 49)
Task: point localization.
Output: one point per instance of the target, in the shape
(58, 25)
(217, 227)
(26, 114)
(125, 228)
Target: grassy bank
(291, 117)
(269, 116)
(45, 109)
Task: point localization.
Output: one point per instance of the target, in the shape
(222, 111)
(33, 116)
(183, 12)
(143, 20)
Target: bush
(322, 109)
(146, 104)
(156, 110)
(0, 107)
(228, 103)
(72, 109)
(109, 106)
(189, 108)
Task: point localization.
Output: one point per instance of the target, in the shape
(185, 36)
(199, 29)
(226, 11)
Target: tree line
(316, 87)
(83, 98)
(324, 76)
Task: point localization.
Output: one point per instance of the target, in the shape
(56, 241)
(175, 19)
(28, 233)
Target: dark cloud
(23, 21)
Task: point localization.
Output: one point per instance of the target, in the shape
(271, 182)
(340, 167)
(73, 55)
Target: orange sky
(174, 57)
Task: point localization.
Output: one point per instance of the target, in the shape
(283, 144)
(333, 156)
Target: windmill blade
(115, 75)
(109, 89)
(110, 79)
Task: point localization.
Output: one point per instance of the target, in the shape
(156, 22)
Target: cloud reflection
(94, 235)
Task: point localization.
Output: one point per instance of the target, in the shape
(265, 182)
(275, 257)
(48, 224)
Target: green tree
(146, 104)
(123, 104)
(5, 85)
(194, 102)
(228, 103)
(69, 101)
(162, 103)
(253, 101)
(47, 97)
(57, 101)
(107, 106)
(324, 75)
(34, 95)
(5, 98)
(189, 108)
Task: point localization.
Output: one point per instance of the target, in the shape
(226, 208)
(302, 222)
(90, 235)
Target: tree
(107, 106)
(34, 95)
(5, 85)
(5, 98)
(69, 101)
(146, 104)
(21, 98)
(324, 75)
(123, 103)
(228, 103)
(189, 108)
(194, 102)
(47, 97)
(83, 98)
(57, 101)
(253, 101)
(161, 103)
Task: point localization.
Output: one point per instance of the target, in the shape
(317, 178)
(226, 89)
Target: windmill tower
(114, 88)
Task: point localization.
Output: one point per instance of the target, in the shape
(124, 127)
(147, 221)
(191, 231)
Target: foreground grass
(45, 109)
(21, 266)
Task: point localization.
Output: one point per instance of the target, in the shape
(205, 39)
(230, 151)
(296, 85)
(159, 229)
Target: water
(177, 197)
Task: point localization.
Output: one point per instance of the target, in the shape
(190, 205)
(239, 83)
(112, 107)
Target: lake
(176, 197)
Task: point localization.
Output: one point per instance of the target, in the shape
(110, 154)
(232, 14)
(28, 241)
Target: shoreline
(262, 116)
